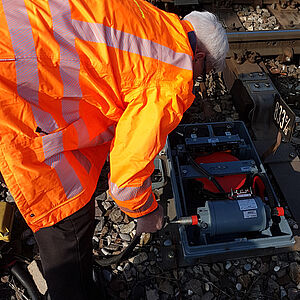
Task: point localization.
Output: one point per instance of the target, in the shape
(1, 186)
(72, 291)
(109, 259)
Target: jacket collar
(193, 40)
(191, 34)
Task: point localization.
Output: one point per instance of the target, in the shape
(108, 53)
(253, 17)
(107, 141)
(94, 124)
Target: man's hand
(151, 222)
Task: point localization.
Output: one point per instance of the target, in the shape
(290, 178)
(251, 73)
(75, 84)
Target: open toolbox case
(216, 174)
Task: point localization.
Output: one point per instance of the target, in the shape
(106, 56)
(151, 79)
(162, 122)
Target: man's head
(212, 43)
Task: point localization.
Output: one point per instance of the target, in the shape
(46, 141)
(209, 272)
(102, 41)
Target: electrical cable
(205, 173)
(26, 280)
(270, 195)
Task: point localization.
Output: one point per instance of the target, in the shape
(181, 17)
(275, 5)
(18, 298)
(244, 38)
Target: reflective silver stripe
(7, 59)
(128, 193)
(69, 66)
(107, 135)
(43, 119)
(28, 79)
(53, 144)
(83, 135)
(146, 206)
(26, 61)
(70, 110)
(83, 160)
(69, 60)
(66, 174)
(98, 33)
(28, 88)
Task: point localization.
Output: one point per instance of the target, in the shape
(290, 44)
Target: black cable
(26, 280)
(205, 173)
(104, 262)
(271, 199)
(269, 192)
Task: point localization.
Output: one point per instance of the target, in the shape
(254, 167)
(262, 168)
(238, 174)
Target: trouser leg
(66, 255)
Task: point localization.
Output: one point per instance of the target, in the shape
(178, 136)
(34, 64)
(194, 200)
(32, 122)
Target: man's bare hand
(151, 222)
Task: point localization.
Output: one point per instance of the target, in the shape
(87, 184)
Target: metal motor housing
(221, 217)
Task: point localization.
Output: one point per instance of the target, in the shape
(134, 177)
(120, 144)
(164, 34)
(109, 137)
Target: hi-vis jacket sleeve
(140, 134)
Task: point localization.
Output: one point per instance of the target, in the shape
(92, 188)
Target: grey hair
(211, 38)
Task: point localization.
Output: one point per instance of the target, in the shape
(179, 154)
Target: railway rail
(265, 42)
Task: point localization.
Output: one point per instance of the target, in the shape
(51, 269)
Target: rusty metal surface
(288, 18)
(229, 19)
(266, 47)
(268, 42)
(185, 2)
(233, 70)
(270, 35)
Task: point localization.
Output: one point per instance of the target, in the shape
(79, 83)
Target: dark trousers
(66, 255)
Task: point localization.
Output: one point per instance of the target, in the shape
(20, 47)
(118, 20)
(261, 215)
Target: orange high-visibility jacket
(80, 79)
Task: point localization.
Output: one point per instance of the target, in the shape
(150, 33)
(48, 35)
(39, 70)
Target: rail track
(266, 43)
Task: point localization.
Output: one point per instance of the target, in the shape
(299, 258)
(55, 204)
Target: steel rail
(265, 35)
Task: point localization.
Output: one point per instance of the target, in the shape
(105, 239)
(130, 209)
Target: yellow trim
(142, 13)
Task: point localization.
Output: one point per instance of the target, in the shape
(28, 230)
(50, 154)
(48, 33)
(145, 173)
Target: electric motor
(228, 216)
